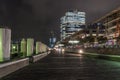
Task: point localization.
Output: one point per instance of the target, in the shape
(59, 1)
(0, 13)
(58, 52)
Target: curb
(10, 67)
(103, 56)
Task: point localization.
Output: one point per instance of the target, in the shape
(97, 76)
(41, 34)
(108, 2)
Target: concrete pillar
(30, 46)
(43, 47)
(23, 47)
(5, 44)
(38, 47)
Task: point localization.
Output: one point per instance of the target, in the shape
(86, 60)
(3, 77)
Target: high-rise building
(72, 22)
(111, 21)
(52, 40)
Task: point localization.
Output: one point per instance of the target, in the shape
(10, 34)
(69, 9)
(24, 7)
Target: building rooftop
(114, 11)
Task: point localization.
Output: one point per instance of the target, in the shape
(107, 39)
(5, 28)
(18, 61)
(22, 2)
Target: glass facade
(52, 42)
(71, 23)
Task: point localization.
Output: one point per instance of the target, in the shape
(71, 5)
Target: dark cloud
(37, 18)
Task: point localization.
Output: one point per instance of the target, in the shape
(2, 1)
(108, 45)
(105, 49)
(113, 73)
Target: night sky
(37, 18)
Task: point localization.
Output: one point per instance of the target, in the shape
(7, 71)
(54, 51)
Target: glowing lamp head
(80, 51)
(14, 47)
(63, 50)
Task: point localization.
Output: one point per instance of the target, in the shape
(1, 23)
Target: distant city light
(14, 47)
(74, 41)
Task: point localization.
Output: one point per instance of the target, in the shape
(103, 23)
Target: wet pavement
(68, 66)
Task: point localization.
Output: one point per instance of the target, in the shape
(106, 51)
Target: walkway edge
(39, 56)
(103, 56)
(7, 68)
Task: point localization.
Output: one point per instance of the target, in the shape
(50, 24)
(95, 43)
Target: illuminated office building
(111, 21)
(52, 40)
(72, 22)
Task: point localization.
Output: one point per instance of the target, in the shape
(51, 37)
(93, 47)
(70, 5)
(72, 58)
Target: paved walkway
(68, 66)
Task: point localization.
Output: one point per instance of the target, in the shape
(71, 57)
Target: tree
(102, 39)
(89, 39)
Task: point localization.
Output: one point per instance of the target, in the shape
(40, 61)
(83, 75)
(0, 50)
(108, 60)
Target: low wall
(71, 50)
(114, 51)
(39, 56)
(103, 56)
(7, 68)
(112, 54)
(110, 51)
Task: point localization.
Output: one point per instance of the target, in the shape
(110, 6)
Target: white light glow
(73, 41)
(63, 50)
(80, 51)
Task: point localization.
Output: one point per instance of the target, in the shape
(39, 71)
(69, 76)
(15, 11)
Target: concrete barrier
(103, 56)
(109, 51)
(7, 68)
(95, 53)
(39, 56)
(72, 50)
